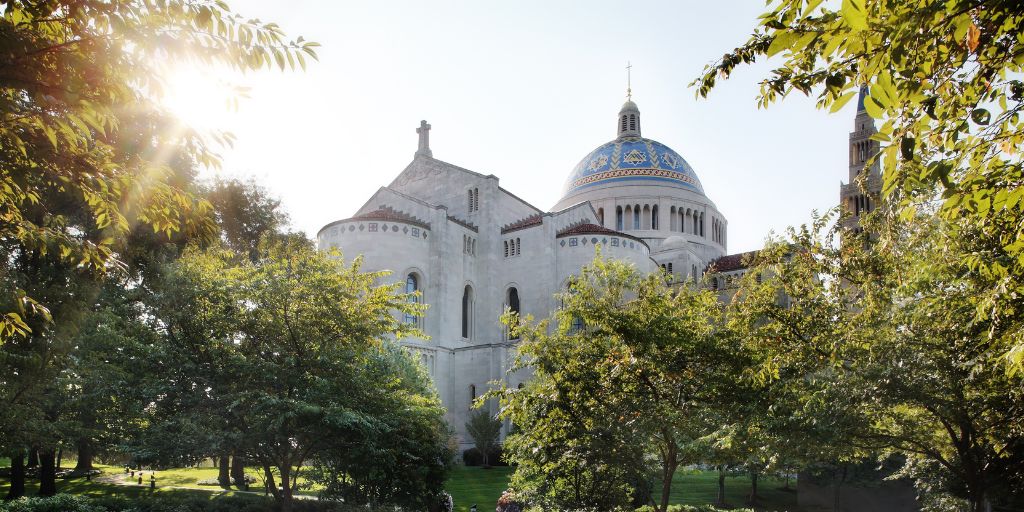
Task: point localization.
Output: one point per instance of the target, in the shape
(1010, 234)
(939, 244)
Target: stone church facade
(473, 249)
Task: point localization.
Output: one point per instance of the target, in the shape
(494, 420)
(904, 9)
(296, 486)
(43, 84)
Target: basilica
(472, 248)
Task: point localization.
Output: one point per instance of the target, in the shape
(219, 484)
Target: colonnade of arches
(861, 203)
(861, 151)
(681, 220)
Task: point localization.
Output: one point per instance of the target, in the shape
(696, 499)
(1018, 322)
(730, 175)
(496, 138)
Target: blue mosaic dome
(632, 159)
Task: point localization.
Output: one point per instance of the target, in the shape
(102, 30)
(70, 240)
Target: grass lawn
(469, 485)
(699, 487)
(94, 487)
(188, 477)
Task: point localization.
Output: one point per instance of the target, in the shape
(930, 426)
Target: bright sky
(522, 90)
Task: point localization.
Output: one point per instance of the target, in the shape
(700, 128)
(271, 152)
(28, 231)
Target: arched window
(623, 122)
(512, 301)
(701, 224)
(472, 395)
(467, 311)
(636, 216)
(669, 268)
(577, 324)
(472, 247)
(519, 248)
(618, 218)
(695, 221)
(600, 216)
(476, 199)
(673, 225)
(506, 248)
(412, 285)
(654, 217)
(632, 121)
(469, 194)
(647, 216)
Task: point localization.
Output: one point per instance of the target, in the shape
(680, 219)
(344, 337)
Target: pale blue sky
(523, 90)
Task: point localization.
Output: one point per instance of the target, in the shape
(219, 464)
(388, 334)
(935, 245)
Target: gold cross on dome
(629, 80)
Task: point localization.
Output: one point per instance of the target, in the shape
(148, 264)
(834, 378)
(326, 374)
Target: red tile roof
(463, 223)
(588, 229)
(390, 214)
(732, 262)
(592, 229)
(532, 220)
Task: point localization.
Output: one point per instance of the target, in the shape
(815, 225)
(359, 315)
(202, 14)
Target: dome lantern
(629, 120)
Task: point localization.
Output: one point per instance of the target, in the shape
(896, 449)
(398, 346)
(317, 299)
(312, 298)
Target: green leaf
(782, 41)
(854, 14)
(981, 116)
(842, 101)
(872, 108)
(907, 147)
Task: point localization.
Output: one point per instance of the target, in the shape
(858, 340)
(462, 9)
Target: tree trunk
(60, 457)
(238, 470)
(838, 479)
(33, 458)
(224, 472)
(268, 475)
(721, 485)
(753, 488)
(668, 469)
(286, 488)
(47, 472)
(17, 489)
(84, 448)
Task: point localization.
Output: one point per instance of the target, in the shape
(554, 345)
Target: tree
(245, 213)
(632, 382)
(944, 80)
(875, 343)
(398, 452)
(287, 361)
(71, 75)
(484, 429)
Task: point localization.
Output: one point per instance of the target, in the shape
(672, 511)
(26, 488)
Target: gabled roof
(532, 220)
(732, 262)
(587, 228)
(384, 213)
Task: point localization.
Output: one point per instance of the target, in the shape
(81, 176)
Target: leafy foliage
(873, 353)
(287, 360)
(484, 429)
(633, 382)
(76, 79)
(944, 78)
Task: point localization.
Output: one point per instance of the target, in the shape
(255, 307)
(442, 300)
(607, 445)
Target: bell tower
(861, 194)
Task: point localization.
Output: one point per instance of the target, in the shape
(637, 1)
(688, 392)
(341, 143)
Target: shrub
(473, 457)
(694, 508)
(166, 502)
(58, 503)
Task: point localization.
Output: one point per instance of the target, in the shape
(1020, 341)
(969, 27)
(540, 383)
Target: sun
(204, 98)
